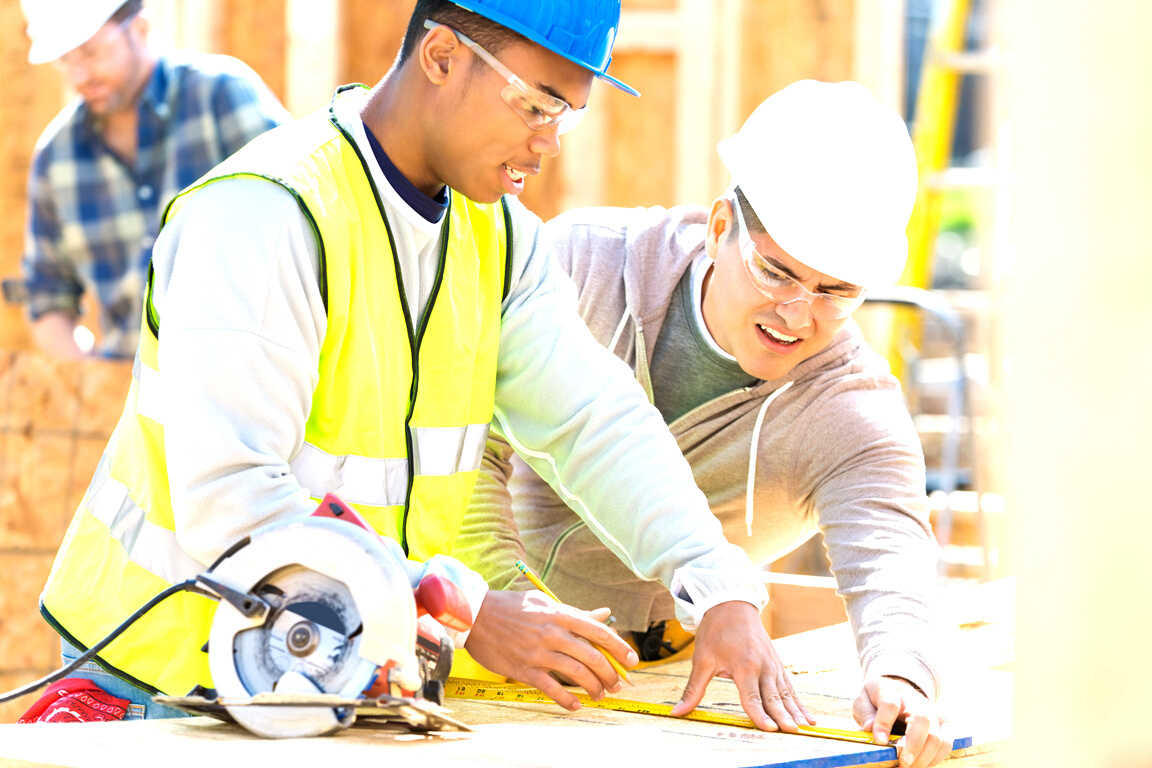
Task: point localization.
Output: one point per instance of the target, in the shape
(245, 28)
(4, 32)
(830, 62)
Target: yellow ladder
(933, 129)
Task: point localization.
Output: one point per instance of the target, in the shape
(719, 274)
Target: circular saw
(317, 623)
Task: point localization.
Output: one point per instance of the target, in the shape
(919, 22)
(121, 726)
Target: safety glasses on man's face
(537, 109)
(784, 289)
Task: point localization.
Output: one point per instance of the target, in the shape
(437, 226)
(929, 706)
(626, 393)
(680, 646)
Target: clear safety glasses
(784, 289)
(537, 109)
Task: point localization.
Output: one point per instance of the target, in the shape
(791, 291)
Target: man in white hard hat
(144, 125)
(736, 319)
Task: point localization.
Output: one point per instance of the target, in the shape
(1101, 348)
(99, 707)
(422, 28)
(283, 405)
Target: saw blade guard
(341, 612)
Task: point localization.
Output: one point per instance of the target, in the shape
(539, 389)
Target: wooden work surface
(822, 662)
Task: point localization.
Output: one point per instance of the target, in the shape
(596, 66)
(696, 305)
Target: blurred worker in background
(143, 126)
(345, 306)
(736, 319)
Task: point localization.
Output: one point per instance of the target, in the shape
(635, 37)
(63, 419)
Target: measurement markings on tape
(460, 688)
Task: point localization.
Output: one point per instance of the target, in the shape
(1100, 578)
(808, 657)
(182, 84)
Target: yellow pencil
(540, 585)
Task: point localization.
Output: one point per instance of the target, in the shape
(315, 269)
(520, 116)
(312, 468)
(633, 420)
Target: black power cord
(63, 672)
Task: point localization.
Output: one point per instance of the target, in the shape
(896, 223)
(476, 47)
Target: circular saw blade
(313, 630)
(339, 608)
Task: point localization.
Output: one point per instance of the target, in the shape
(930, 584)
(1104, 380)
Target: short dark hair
(491, 36)
(750, 218)
(126, 11)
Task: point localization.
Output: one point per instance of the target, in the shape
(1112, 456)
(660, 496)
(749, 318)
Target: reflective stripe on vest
(436, 451)
(385, 379)
(149, 393)
(150, 546)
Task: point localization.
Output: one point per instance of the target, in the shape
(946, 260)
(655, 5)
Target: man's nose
(546, 142)
(795, 314)
(77, 73)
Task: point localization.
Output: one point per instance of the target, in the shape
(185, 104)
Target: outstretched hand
(731, 642)
(884, 701)
(528, 635)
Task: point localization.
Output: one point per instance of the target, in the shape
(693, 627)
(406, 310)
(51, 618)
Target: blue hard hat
(582, 31)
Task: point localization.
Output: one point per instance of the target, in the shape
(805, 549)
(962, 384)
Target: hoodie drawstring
(619, 331)
(752, 453)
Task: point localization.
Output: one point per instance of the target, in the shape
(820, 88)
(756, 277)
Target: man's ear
(437, 54)
(721, 219)
(141, 25)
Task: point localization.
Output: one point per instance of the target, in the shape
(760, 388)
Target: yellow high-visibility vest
(398, 423)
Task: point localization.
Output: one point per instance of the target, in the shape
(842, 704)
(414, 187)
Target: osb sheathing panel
(26, 640)
(9, 680)
(55, 419)
(35, 491)
(256, 32)
(787, 41)
(371, 32)
(42, 393)
(38, 392)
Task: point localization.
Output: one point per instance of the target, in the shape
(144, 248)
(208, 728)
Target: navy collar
(431, 209)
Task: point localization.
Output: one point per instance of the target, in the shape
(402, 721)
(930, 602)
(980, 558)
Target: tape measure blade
(838, 733)
(517, 693)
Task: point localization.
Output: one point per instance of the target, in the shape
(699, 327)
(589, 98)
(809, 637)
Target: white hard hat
(58, 26)
(831, 174)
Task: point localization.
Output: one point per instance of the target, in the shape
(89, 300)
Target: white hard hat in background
(58, 26)
(831, 173)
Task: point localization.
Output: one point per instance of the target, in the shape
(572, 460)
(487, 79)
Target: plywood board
(26, 641)
(370, 32)
(36, 496)
(55, 419)
(10, 711)
(785, 42)
(256, 32)
(42, 392)
(822, 663)
(641, 150)
(505, 735)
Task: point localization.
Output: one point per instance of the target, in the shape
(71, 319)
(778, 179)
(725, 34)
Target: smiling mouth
(777, 336)
(514, 174)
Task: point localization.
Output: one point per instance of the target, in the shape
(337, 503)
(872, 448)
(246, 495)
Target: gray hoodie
(831, 447)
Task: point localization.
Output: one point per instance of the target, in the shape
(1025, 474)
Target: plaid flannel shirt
(92, 218)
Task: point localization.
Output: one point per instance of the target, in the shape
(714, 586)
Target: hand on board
(528, 635)
(731, 642)
(884, 701)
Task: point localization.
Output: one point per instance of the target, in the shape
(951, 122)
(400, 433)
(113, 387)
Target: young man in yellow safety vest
(345, 306)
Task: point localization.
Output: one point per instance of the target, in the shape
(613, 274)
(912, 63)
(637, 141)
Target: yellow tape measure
(461, 688)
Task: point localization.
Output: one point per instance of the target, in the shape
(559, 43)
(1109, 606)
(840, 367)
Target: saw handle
(444, 602)
(436, 596)
(334, 507)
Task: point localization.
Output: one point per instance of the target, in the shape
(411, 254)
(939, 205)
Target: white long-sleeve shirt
(242, 323)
